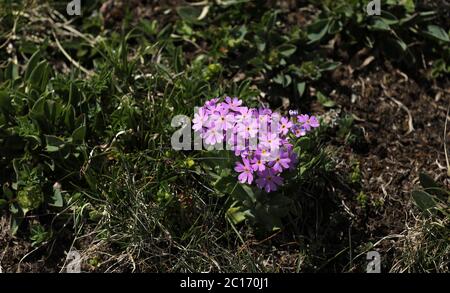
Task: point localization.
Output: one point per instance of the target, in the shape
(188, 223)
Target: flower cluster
(260, 138)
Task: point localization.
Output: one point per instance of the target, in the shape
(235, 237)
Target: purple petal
(243, 177)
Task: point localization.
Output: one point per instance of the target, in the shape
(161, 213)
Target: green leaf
(409, 5)
(38, 234)
(426, 181)
(380, 25)
(39, 107)
(260, 44)
(38, 110)
(318, 30)
(301, 86)
(53, 110)
(7, 191)
(325, 101)
(269, 213)
(46, 74)
(5, 101)
(423, 200)
(224, 184)
(15, 224)
(31, 65)
(437, 33)
(288, 80)
(57, 198)
(432, 186)
(14, 208)
(54, 143)
(12, 71)
(148, 27)
(401, 44)
(266, 219)
(283, 79)
(335, 27)
(37, 74)
(328, 65)
(79, 134)
(287, 50)
(238, 214)
(189, 13)
(69, 117)
(389, 18)
(3, 203)
(30, 198)
(74, 94)
(279, 79)
(90, 179)
(243, 192)
(33, 138)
